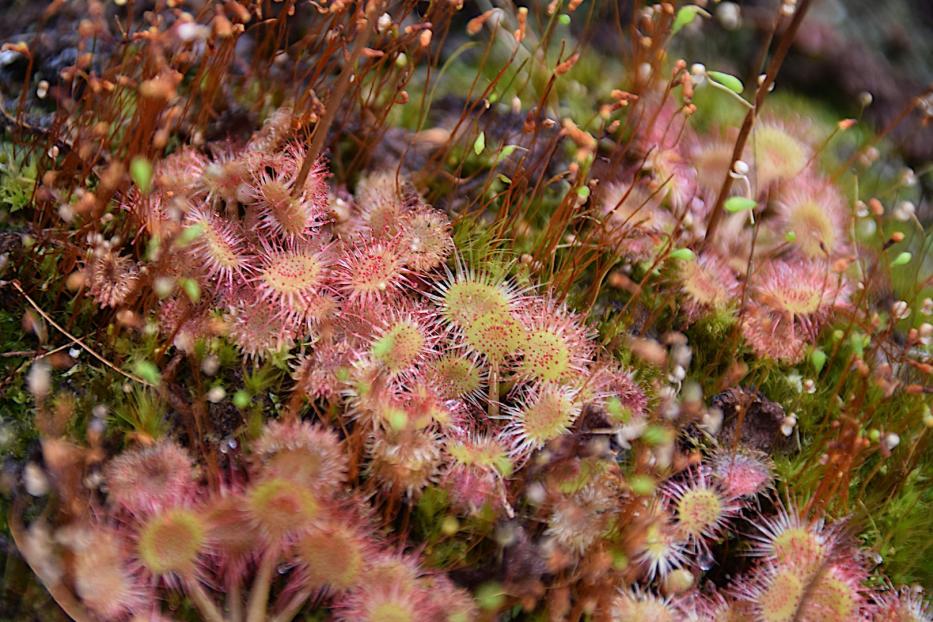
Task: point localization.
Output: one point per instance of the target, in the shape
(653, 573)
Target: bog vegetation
(423, 311)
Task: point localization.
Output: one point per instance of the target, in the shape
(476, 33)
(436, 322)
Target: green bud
(241, 399)
(818, 360)
(141, 173)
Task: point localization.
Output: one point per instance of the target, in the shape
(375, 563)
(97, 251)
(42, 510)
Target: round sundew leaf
(801, 301)
(400, 346)
(546, 356)
(281, 507)
(303, 467)
(495, 335)
(290, 274)
(214, 242)
(334, 557)
(698, 510)
(374, 271)
(548, 416)
(778, 154)
(457, 376)
(427, 239)
(833, 598)
(228, 527)
(702, 285)
(781, 599)
(391, 611)
(288, 212)
(170, 542)
(797, 544)
(487, 455)
(817, 230)
(221, 251)
(466, 300)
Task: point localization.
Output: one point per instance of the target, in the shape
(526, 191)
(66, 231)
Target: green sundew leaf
(902, 260)
(683, 254)
(739, 204)
(818, 360)
(141, 173)
(479, 145)
(729, 81)
(148, 371)
(192, 289)
(685, 17)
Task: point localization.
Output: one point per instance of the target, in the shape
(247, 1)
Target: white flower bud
(904, 211)
(384, 22)
(900, 310)
(729, 15)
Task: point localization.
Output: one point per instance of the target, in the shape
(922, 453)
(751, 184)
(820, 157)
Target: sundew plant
(465, 311)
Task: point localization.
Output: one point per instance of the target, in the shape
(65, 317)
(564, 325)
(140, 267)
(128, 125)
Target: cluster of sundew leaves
(495, 338)
(457, 380)
(405, 353)
(163, 530)
(805, 264)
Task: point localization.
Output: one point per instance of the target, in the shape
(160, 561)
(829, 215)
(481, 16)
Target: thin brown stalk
(774, 66)
(334, 102)
(76, 340)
